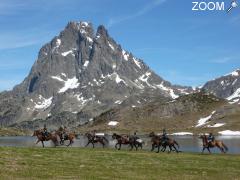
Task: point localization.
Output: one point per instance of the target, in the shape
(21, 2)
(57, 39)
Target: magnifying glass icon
(234, 4)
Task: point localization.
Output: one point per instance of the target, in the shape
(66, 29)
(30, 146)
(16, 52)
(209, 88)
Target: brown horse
(157, 141)
(68, 136)
(95, 139)
(42, 138)
(125, 140)
(216, 143)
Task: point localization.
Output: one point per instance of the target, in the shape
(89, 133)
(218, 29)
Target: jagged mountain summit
(226, 87)
(79, 75)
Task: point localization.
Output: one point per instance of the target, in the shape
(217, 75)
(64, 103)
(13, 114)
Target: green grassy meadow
(87, 163)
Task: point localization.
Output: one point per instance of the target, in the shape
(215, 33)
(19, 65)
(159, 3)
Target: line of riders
(158, 141)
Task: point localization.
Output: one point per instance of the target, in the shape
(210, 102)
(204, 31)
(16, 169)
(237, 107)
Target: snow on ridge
(68, 84)
(169, 90)
(84, 23)
(44, 104)
(125, 55)
(229, 133)
(203, 121)
(234, 73)
(58, 43)
(137, 62)
(111, 46)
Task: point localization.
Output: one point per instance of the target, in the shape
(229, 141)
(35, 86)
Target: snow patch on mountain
(125, 55)
(169, 90)
(111, 46)
(216, 125)
(44, 104)
(113, 123)
(234, 73)
(118, 102)
(89, 39)
(234, 97)
(137, 62)
(229, 133)
(68, 84)
(86, 63)
(67, 53)
(145, 77)
(203, 121)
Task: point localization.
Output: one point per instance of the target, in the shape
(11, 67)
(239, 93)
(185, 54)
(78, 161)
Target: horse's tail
(175, 142)
(225, 147)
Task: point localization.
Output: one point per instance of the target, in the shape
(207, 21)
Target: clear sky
(183, 46)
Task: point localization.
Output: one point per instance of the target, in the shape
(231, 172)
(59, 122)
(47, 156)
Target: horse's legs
(116, 145)
(158, 149)
(42, 144)
(120, 145)
(37, 141)
(209, 150)
(103, 144)
(93, 145)
(170, 148)
(175, 148)
(87, 143)
(136, 147)
(153, 146)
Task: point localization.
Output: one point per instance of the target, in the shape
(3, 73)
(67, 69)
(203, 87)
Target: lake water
(187, 143)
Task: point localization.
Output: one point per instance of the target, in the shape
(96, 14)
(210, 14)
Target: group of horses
(157, 141)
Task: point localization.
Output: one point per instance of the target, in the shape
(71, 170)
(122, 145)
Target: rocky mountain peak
(81, 75)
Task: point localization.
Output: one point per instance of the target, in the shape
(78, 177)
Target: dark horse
(126, 140)
(95, 139)
(68, 136)
(157, 141)
(42, 138)
(216, 143)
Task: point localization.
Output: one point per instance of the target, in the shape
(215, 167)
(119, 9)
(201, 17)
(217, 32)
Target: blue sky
(183, 46)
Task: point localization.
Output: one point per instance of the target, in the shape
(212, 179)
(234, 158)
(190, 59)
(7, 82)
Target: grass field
(82, 163)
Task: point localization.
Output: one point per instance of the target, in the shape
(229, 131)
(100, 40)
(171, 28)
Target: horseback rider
(65, 130)
(61, 130)
(210, 138)
(45, 132)
(164, 136)
(135, 136)
(94, 134)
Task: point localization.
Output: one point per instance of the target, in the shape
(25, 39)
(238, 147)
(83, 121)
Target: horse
(68, 136)
(95, 139)
(216, 143)
(126, 140)
(42, 138)
(157, 141)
